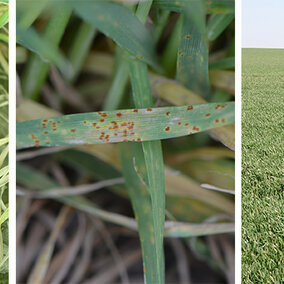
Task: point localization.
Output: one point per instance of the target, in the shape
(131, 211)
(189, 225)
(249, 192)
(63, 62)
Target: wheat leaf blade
(125, 125)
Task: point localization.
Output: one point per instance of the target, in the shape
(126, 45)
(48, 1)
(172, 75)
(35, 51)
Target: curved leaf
(120, 24)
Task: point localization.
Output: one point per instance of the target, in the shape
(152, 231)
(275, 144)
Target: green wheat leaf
(125, 125)
(120, 24)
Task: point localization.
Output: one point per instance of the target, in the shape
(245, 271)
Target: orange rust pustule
(94, 124)
(167, 128)
(168, 113)
(37, 141)
(73, 130)
(34, 136)
(223, 120)
(45, 132)
(135, 110)
(43, 125)
(189, 107)
(179, 123)
(102, 114)
(102, 120)
(45, 120)
(119, 114)
(217, 120)
(207, 114)
(195, 128)
(149, 109)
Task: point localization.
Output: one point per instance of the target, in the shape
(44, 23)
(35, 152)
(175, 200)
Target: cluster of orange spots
(207, 114)
(195, 128)
(168, 113)
(102, 114)
(43, 125)
(167, 128)
(119, 114)
(189, 107)
(73, 130)
(220, 106)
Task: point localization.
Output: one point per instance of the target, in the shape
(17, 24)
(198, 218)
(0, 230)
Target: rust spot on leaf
(167, 128)
(189, 107)
(135, 110)
(119, 114)
(73, 130)
(34, 136)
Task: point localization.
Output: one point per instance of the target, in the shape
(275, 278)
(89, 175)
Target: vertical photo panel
(125, 141)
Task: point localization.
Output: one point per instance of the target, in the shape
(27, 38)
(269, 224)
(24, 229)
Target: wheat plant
(128, 107)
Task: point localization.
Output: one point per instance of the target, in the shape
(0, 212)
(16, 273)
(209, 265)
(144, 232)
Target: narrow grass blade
(31, 40)
(141, 202)
(153, 156)
(226, 63)
(47, 47)
(218, 24)
(125, 125)
(120, 24)
(28, 12)
(4, 18)
(192, 61)
(80, 48)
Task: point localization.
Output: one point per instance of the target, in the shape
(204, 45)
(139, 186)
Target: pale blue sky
(263, 23)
